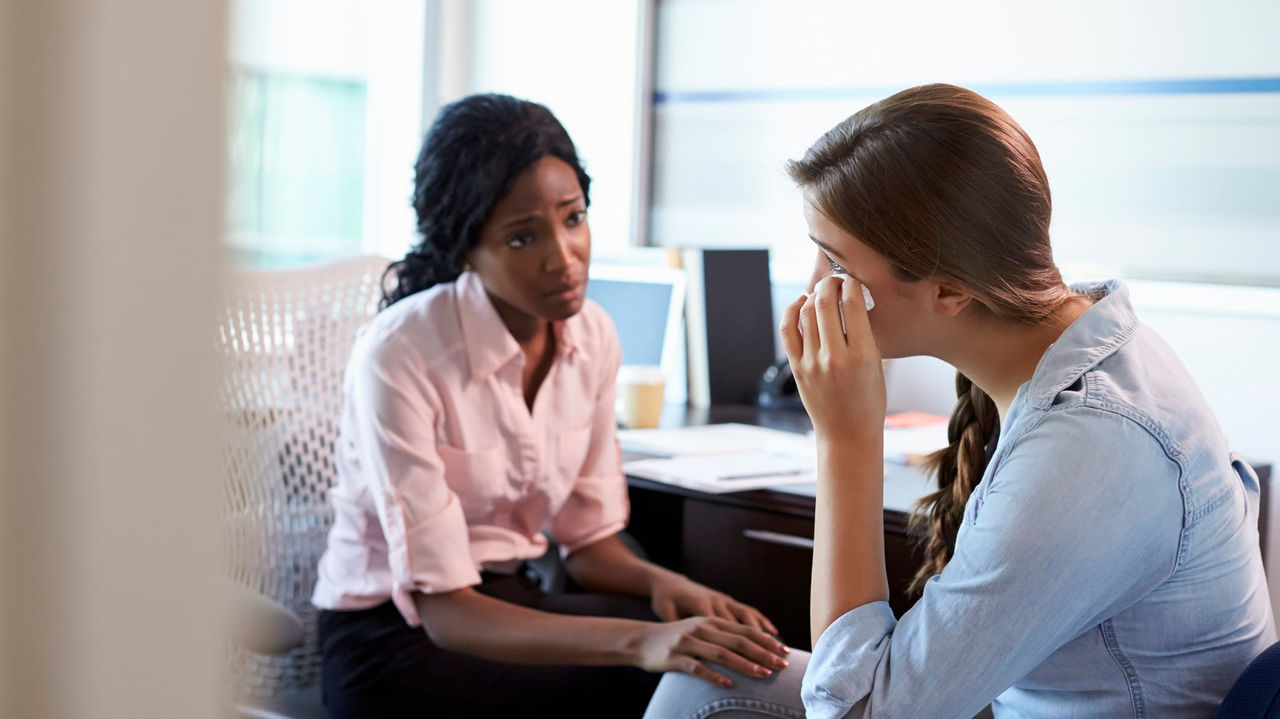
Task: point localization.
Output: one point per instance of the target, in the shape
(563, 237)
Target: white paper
(714, 439)
(726, 473)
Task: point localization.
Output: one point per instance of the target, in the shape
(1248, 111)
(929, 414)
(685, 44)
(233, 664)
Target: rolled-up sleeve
(1081, 518)
(598, 506)
(391, 403)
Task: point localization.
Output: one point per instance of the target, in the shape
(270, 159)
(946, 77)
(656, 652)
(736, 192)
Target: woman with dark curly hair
(478, 410)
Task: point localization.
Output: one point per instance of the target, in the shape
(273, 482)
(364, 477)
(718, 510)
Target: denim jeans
(681, 696)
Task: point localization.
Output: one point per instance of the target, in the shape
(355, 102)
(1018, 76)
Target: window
(325, 117)
(296, 167)
(1159, 126)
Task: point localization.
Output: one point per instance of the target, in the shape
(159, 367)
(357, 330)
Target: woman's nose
(561, 255)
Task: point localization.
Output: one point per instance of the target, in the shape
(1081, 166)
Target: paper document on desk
(726, 472)
(714, 439)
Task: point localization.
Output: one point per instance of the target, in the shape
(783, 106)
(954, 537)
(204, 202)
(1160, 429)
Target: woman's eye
(836, 269)
(521, 241)
(576, 218)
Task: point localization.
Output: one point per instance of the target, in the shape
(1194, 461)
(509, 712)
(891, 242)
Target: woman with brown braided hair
(1093, 544)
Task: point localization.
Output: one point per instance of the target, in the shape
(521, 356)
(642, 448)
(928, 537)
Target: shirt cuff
(432, 557)
(842, 670)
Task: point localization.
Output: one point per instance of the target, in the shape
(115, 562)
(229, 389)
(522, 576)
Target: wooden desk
(757, 545)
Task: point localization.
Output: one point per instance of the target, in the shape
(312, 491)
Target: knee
(681, 696)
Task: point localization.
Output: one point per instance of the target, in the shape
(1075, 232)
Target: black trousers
(375, 665)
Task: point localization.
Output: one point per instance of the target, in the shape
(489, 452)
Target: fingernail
(726, 683)
(762, 672)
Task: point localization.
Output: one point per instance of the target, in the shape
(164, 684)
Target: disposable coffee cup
(639, 396)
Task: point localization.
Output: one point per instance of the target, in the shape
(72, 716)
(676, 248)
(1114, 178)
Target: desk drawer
(766, 559)
(760, 558)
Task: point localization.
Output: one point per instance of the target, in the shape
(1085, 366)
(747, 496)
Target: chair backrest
(1256, 693)
(285, 337)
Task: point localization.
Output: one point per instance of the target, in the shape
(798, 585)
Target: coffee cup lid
(640, 374)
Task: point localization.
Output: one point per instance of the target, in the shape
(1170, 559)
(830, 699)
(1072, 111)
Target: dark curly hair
(474, 150)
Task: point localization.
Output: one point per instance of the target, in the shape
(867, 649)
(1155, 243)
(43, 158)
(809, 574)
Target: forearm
(848, 552)
(482, 626)
(608, 566)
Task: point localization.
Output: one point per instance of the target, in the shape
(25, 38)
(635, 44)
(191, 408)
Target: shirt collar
(569, 338)
(488, 343)
(1094, 336)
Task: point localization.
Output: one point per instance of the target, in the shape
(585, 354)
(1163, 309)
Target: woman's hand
(837, 370)
(683, 646)
(675, 596)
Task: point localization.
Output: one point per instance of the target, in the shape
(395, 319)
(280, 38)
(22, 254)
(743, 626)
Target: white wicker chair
(285, 337)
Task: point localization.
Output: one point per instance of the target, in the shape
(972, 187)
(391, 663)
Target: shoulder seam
(429, 362)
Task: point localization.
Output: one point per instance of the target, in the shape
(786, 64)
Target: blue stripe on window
(1066, 88)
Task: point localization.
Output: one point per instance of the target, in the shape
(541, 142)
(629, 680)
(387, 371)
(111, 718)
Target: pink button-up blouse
(442, 468)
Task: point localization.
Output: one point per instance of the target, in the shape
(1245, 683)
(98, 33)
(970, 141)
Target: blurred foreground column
(111, 149)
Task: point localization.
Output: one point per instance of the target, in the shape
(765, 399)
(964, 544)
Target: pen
(764, 473)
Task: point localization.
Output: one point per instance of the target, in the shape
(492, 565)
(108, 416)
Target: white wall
(110, 204)
(579, 58)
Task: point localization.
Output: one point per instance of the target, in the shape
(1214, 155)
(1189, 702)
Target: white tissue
(866, 293)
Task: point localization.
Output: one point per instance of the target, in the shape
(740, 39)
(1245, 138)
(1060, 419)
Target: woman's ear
(949, 299)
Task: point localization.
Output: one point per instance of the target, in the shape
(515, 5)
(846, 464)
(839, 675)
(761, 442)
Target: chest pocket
(478, 477)
(571, 452)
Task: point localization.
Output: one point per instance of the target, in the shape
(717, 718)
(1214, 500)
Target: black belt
(526, 574)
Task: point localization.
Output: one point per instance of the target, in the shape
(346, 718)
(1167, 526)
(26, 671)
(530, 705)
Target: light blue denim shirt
(1107, 564)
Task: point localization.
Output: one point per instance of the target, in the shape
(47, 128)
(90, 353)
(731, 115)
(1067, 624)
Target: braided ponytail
(959, 467)
(422, 268)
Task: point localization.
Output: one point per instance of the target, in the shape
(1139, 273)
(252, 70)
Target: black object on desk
(731, 329)
(778, 388)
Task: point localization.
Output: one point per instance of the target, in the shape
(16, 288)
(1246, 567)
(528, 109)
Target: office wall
(110, 204)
